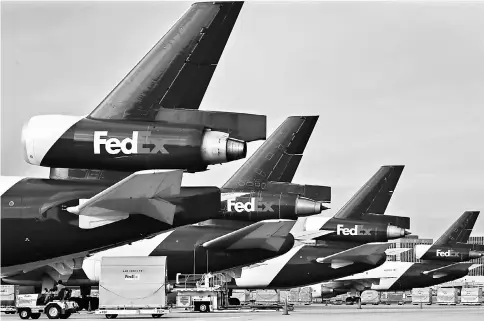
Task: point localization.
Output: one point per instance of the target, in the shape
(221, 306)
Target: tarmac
(314, 312)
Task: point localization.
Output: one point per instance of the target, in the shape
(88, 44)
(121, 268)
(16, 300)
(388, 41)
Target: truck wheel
(111, 316)
(35, 315)
(203, 307)
(24, 314)
(53, 311)
(156, 315)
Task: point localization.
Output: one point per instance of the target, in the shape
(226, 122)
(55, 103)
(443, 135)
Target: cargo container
(471, 296)
(7, 299)
(132, 286)
(265, 296)
(392, 298)
(239, 297)
(447, 296)
(422, 296)
(370, 297)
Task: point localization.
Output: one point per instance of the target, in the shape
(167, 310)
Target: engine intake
(218, 147)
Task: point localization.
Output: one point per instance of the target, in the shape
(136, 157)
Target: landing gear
(156, 316)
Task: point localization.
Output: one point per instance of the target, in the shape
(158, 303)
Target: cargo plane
(54, 231)
(324, 247)
(150, 120)
(445, 260)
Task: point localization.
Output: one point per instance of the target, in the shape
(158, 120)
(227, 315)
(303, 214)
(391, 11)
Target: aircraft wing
(451, 269)
(367, 253)
(176, 72)
(269, 235)
(142, 192)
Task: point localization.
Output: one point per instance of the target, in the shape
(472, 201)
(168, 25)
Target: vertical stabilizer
(278, 157)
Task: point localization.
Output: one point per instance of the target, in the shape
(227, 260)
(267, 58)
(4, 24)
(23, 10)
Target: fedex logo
(255, 204)
(356, 230)
(128, 145)
(448, 253)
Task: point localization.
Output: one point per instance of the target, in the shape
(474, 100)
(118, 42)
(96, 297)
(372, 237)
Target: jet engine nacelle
(76, 142)
(361, 231)
(264, 205)
(457, 253)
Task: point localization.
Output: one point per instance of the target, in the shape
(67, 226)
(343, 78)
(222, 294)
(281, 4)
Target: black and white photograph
(242, 160)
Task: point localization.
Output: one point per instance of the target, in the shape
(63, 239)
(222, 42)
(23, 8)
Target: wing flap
(269, 235)
(143, 192)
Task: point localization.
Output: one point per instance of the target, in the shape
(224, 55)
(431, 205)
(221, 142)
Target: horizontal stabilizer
(310, 235)
(369, 253)
(268, 235)
(315, 192)
(451, 269)
(142, 192)
(396, 251)
(399, 221)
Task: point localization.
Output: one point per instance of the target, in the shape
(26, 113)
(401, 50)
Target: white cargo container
(471, 296)
(132, 286)
(370, 297)
(7, 299)
(447, 296)
(422, 296)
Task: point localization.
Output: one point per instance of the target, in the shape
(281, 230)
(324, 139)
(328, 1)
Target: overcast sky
(394, 83)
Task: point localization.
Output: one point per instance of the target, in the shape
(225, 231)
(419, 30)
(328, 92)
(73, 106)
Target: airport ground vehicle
(7, 299)
(471, 296)
(422, 296)
(448, 296)
(133, 286)
(32, 306)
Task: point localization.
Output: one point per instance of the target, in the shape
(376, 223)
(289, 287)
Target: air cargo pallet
(113, 313)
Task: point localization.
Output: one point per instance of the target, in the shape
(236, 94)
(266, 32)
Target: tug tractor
(32, 306)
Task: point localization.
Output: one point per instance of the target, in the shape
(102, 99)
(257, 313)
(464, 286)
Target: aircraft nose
(406, 232)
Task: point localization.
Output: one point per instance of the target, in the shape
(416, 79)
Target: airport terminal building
(411, 241)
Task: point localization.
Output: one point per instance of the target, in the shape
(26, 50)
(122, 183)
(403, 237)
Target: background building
(411, 240)
(408, 242)
(480, 270)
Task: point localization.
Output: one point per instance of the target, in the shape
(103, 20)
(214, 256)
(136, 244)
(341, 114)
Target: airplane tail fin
(277, 159)
(142, 192)
(374, 196)
(460, 231)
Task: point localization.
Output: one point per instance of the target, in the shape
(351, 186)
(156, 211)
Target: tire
(35, 315)
(156, 315)
(111, 316)
(24, 314)
(234, 301)
(65, 315)
(203, 307)
(52, 311)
